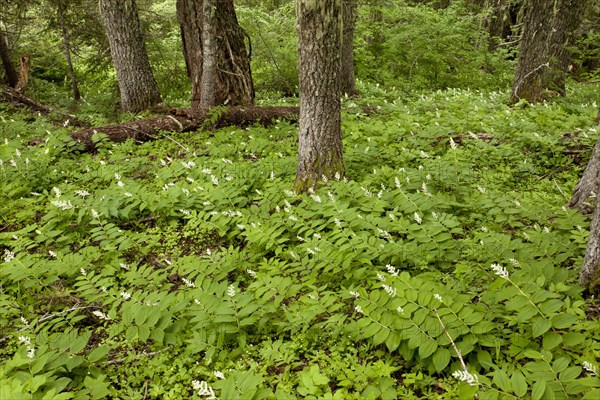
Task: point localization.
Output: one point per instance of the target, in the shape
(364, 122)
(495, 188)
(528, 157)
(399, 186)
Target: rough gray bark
(209, 55)
(534, 60)
(137, 85)
(190, 19)
(589, 276)
(348, 83)
(548, 30)
(233, 83)
(568, 19)
(67, 49)
(9, 68)
(320, 135)
(589, 184)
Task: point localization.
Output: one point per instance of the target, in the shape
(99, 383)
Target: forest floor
(187, 265)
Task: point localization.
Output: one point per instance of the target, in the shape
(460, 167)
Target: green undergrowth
(443, 266)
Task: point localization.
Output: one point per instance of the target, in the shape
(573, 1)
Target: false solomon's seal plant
(444, 266)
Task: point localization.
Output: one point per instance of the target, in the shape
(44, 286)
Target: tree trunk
(137, 85)
(589, 184)
(209, 56)
(534, 60)
(349, 20)
(233, 83)
(67, 47)
(544, 59)
(568, 19)
(320, 135)
(589, 277)
(9, 68)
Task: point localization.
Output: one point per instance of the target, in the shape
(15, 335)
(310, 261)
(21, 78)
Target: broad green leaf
(441, 358)
(538, 389)
(540, 326)
(551, 340)
(427, 348)
(562, 321)
(98, 353)
(502, 381)
(519, 383)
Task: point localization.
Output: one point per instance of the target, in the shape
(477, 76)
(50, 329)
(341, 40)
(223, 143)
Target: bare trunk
(589, 184)
(9, 68)
(349, 20)
(137, 85)
(209, 56)
(189, 15)
(544, 59)
(534, 60)
(67, 47)
(589, 277)
(320, 135)
(568, 19)
(233, 83)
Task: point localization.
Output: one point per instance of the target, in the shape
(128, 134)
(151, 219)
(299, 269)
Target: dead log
(186, 120)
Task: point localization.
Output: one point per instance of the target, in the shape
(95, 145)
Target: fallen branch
(12, 96)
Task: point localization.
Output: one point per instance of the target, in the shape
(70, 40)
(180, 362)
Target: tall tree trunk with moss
(67, 49)
(589, 276)
(548, 27)
(320, 134)
(137, 85)
(9, 67)
(233, 83)
(349, 20)
(589, 185)
(568, 19)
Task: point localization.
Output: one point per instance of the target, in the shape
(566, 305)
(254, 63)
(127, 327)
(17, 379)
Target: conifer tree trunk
(137, 85)
(233, 83)
(548, 27)
(589, 277)
(589, 184)
(320, 135)
(67, 48)
(568, 19)
(9, 68)
(209, 56)
(349, 20)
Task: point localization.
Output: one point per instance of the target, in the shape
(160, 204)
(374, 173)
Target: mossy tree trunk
(320, 134)
(233, 83)
(589, 184)
(548, 27)
(589, 277)
(9, 67)
(137, 85)
(348, 83)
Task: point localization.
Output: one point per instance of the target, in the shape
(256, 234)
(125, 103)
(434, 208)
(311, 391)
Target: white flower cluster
(231, 291)
(466, 376)
(9, 255)
(500, 271)
(203, 389)
(101, 315)
(391, 270)
(589, 367)
(391, 291)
